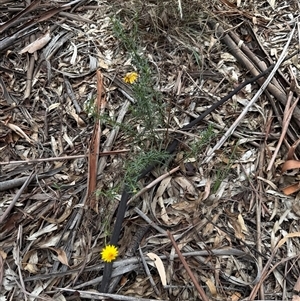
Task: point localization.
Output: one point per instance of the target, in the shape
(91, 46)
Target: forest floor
(103, 143)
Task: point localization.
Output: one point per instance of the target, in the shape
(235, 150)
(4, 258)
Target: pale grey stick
(13, 202)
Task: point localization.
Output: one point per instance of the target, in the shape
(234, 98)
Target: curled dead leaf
(290, 164)
(212, 287)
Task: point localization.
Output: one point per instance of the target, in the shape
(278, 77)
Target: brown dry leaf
(186, 185)
(37, 44)
(296, 298)
(185, 205)
(19, 131)
(78, 119)
(63, 217)
(290, 164)
(138, 288)
(206, 193)
(238, 224)
(292, 149)
(95, 145)
(61, 256)
(290, 235)
(159, 199)
(47, 229)
(242, 224)
(51, 241)
(236, 296)
(291, 189)
(163, 213)
(3, 254)
(160, 267)
(209, 228)
(162, 187)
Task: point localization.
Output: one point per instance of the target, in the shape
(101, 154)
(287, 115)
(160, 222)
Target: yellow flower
(130, 77)
(109, 253)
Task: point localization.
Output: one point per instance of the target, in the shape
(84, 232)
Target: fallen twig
(13, 202)
(288, 112)
(189, 271)
(101, 154)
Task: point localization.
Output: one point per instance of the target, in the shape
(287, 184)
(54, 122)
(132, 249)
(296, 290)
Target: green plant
(206, 137)
(138, 164)
(108, 200)
(148, 111)
(223, 172)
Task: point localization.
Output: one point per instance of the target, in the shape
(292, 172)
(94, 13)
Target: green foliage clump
(149, 108)
(135, 167)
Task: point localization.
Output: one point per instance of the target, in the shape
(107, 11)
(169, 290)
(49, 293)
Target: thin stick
(147, 271)
(198, 287)
(13, 202)
(64, 158)
(288, 112)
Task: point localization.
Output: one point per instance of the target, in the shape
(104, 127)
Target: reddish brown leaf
(95, 145)
(290, 164)
(291, 189)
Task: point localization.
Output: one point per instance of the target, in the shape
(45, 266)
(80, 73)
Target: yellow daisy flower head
(109, 253)
(131, 77)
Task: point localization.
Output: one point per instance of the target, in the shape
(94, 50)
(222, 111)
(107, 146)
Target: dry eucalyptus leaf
(291, 189)
(160, 267)
(272, 3)
(3, 255)
(37, 44)
(212, 287)
(61, 256)
(290, 235)
(19, 131)
(47, 229)
(186, 185)
(30, 261)
(290, 164)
